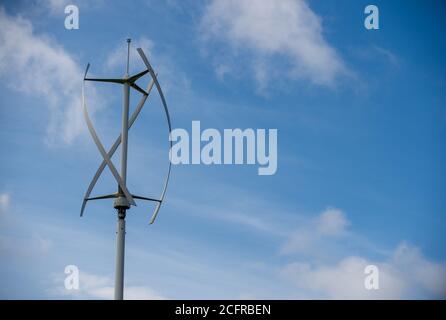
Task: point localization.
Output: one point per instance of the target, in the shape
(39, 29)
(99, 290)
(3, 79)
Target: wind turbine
(123, 198)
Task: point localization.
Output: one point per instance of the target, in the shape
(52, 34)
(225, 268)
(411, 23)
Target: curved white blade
(166, 110)
(102, 150)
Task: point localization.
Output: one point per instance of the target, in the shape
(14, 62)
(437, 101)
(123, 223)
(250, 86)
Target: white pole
(120, 251)
(120, 238)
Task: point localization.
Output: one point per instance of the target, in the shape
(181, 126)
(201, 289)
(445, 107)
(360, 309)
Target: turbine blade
(103, 152)
(158, 206)
(84, 203)
(155, 213)
(166, 111)
(160, 91)
(115, 145)
(86, 70)
(107, 196)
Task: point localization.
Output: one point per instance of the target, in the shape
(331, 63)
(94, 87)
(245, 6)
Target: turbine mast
(121, 204)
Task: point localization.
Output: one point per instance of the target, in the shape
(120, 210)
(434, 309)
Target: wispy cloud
(41, 68)
(244, 210)
(388, 55)
(375, 53)
(327, 226)
(4, 202)
(269, 30)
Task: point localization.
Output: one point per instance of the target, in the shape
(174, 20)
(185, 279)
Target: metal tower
(123, 199)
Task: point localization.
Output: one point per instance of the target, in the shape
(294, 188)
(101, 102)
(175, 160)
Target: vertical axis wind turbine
(123, 198)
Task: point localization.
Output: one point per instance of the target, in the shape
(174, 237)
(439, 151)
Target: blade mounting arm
(138, 88)
(145, 198)
(137, 76)
(100, 79)
(121, 81)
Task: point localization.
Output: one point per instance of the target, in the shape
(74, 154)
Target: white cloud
(4, 202)
(330, 223)
(407, 274)
(420, 271)
(92, 286)
(344, 280)
(35, 65)
(271, 29)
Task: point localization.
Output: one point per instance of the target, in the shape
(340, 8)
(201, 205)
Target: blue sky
(361, 124)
